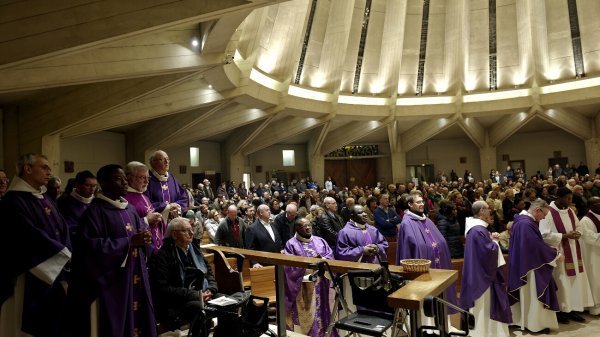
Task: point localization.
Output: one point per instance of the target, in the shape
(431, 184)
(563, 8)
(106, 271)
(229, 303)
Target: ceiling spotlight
(210, 86)
(195, 43)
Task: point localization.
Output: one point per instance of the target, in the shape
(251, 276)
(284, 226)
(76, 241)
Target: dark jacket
(168, 291)
(285, 228)
(450, 229)
(329, 226)
(225, 236)
(258, 238)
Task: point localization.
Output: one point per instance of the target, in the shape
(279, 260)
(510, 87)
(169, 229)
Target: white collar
(160, 177)
(301, 239)
(120, 204)
(264, 223)
(133, 190)
(359, 226)
(416, 216)
(79, 198)
(20, 185)
(471, 222)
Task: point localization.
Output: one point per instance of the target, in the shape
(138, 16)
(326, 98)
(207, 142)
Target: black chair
(373, 317)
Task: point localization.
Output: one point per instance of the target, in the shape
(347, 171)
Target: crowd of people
(119, 250)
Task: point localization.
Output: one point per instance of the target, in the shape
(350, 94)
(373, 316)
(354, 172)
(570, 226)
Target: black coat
(258, 238)
(168, 291)
(450, 229)
(225, 235)
(329, 226)
(284, 227)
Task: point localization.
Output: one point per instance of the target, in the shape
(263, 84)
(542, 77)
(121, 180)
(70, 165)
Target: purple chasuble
(529, 252)
(72, 210)
(143, 207)
(38, 222)
(163, 192)
(351, 241)
(316, 247)
(107, 268)
(420, 239)
(480, 272)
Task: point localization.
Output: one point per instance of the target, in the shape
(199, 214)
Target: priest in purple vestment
(484, 290)
(419, 238)
(531, 288)
(167, 196)
(78, 200)
(307, 302)
(109, 270)
(137, 179)
(33, 277)
(359, 241)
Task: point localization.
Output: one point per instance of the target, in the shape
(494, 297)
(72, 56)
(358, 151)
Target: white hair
(175, 224)
(291, 208)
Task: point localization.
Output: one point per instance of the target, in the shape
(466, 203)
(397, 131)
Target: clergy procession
(119, 252)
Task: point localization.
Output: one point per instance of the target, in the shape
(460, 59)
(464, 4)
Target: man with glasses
(33, 268)
(78, 200)
(484, 289)
(137, 181)
(167, 196)
(181, 279)
(531, 287)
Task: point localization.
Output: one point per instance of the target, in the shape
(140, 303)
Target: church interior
(364, 91)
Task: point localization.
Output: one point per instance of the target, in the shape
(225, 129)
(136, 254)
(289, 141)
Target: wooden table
(408, 297)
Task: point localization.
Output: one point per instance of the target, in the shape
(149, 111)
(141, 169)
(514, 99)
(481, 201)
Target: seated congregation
(119, 253)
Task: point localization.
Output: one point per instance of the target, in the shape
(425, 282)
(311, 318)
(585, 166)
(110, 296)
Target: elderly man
(207, 190)
(531, 287)
(307, 302)
(331, 223)
(345, 212)
(386, 218)
(359, 241)
(109, 271)
(483, 278)
(53, 190)
(560, 229)
(137, 181)
(590, 234)
(263, 236)
(419, 238)
(231, 230)
(78, 200)
(284, 222)
(167, 196)
(33, 278)
(181, 278)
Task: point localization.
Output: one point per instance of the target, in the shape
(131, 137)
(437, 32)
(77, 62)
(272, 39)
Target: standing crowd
(119, 250)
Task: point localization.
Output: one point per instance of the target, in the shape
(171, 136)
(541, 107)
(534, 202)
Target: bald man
(231, 229)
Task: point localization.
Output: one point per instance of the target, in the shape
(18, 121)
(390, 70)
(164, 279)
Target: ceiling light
(195, 43)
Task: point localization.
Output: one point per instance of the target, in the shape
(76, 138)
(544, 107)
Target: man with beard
(137, 181)
(110, 278)
(307, 303)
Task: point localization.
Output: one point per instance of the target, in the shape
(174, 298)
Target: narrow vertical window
(311, 16)
(492, 46)
(289, 158)
(576, 39)
(361, 46)
(194, 156)
(422, 48)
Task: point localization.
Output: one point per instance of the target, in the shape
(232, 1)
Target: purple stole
(569, 266)
(436, 249)
(164, 188)
(594, 220)
(138, 287)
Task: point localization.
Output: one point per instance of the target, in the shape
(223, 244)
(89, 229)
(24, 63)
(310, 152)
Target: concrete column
(237, 164)
(592, 153)
(487, 157)
(51, 148)
(316, 165)
(398, 160)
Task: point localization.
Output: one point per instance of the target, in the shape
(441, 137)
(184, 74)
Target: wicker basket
(415, 265)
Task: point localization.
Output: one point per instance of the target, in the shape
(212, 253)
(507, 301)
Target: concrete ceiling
(137, 71)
